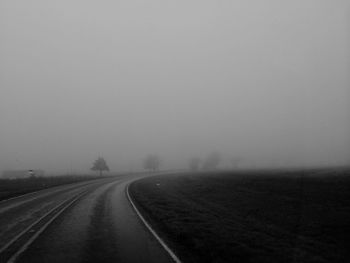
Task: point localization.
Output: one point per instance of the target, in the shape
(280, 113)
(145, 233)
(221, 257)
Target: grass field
(266, 216)
(14, 187)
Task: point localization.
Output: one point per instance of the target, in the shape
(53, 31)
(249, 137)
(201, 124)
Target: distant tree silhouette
(100, 165)
(235, 162)
(151, 162)
(212, 161)
(194, 163)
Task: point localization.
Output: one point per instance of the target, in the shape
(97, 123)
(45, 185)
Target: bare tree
(212, 161)
(151, 162)
(194, 163)
(100, 165)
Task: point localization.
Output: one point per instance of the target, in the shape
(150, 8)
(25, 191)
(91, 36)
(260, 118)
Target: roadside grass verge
(276, 216)
(14, 187)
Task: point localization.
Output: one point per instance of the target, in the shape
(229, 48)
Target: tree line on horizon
(152, 163)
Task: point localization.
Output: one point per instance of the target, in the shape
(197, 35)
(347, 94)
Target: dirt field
(260, 216)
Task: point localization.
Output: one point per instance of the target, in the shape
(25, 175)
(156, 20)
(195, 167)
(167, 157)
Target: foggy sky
(264, 80)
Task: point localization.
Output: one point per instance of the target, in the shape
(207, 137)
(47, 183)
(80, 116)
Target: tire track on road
(101, 245)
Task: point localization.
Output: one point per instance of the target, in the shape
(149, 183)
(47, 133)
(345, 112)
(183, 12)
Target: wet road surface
(100, 227)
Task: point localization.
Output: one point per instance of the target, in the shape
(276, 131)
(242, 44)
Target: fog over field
(266, 81)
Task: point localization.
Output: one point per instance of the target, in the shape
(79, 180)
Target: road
(97, 224)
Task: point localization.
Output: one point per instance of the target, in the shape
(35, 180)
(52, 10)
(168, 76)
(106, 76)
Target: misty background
(267, 81)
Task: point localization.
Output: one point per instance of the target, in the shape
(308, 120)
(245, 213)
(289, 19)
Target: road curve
(100, 227)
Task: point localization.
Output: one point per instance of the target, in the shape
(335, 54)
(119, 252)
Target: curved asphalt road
(101, 227)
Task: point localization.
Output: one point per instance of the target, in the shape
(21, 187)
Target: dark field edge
(159, 227)
(320, 177)
(10, 188)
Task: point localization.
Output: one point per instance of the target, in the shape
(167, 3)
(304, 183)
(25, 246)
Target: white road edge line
(34, 237)
(18, 196)
(14, 257)
(37, 191)
(159, 239)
